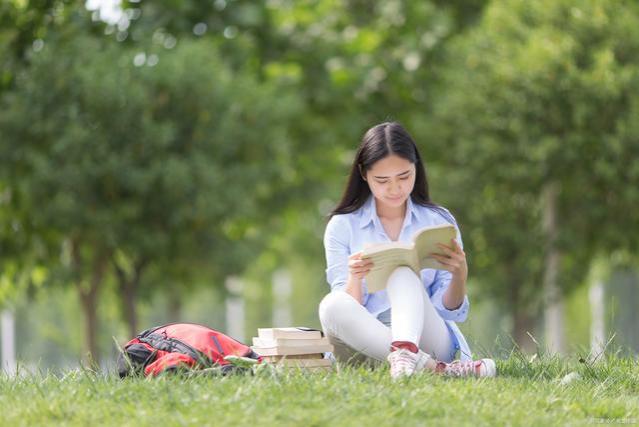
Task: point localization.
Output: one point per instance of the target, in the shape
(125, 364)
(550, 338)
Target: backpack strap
(135, 358)
(174, 345)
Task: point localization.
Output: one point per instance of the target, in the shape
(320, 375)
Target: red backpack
(178, 346)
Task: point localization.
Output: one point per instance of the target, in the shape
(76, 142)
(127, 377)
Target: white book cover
(288, 350)
(299, 332)
(288, 342)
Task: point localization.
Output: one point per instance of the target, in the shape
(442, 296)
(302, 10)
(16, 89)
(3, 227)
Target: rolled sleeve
(438, 288)
(337, 253)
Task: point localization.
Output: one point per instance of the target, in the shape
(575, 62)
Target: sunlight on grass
(525, 392)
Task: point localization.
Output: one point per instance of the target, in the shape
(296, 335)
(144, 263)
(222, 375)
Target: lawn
(542, 391)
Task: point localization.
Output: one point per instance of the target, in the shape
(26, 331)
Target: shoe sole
(491, 368)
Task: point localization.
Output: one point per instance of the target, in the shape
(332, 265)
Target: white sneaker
(404, 362)
(470, 368)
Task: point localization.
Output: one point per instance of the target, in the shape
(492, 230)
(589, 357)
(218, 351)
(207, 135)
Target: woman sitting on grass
(411, 323)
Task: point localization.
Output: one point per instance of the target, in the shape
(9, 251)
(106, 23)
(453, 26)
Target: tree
(538, 115)
(159, 161)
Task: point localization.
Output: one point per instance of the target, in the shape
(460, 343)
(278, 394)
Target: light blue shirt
(347, 233)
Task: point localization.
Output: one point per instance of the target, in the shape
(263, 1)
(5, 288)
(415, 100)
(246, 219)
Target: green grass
(525, 393)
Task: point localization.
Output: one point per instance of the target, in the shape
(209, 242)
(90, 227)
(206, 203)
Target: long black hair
(379, 142)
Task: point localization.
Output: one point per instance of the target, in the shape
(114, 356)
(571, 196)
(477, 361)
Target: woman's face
(391, 180)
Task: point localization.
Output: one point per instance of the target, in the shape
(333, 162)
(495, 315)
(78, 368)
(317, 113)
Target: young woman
(411, 323)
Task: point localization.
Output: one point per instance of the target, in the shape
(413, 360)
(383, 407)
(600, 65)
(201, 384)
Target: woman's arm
(453, 298)
(336, 249)
(357, 269)
(439, 288)
(354, 288)
(454, 260)
(343, 272)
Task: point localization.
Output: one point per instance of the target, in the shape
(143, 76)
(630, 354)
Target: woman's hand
(453, 260)
(358, 267)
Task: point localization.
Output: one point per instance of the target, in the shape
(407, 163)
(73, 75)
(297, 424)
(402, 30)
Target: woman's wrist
(453, 298)
(354, 287)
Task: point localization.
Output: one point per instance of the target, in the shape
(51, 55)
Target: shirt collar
(369, 212)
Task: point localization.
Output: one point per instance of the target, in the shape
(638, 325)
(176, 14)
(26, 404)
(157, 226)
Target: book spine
(275, 334)
(284, 351)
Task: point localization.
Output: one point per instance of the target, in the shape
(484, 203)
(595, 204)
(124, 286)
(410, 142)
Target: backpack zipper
(217, 344)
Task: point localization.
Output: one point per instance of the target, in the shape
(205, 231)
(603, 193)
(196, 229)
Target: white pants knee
(413, 318)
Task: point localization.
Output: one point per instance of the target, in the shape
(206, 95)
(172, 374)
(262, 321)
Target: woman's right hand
(358, 267)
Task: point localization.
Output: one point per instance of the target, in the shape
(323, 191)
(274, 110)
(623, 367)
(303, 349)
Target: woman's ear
(361, 171)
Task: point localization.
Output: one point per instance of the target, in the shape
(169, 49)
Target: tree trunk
(175, 305)
(8, 342)
(522, 321)
(128, 288)
(282, 289)
(597, 314)
(523, 324)
(88, 292)
(553, 299)
(234, 308)
(623, 286)
(88, 297)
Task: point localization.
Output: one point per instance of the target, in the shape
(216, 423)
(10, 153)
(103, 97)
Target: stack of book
(293, 347)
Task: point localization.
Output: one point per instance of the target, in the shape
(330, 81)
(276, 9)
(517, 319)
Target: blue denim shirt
(346, 234)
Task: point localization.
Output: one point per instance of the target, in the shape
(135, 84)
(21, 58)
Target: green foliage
(197, 139)
(24, 24)
(160, 160)
(154, 157)
(543, 93)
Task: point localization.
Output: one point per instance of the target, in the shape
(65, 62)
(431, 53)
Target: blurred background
(175, 160)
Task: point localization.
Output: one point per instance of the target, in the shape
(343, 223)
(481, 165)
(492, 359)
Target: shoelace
(401, 360)
(459, 368)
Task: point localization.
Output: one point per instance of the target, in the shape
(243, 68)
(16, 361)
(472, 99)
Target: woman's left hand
(453, 259)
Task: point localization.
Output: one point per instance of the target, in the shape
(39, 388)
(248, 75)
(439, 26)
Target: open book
(388, 256)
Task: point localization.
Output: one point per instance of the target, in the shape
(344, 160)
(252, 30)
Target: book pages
(388, 256)
(426, 243)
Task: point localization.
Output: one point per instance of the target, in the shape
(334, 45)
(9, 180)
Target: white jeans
(357, 335)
